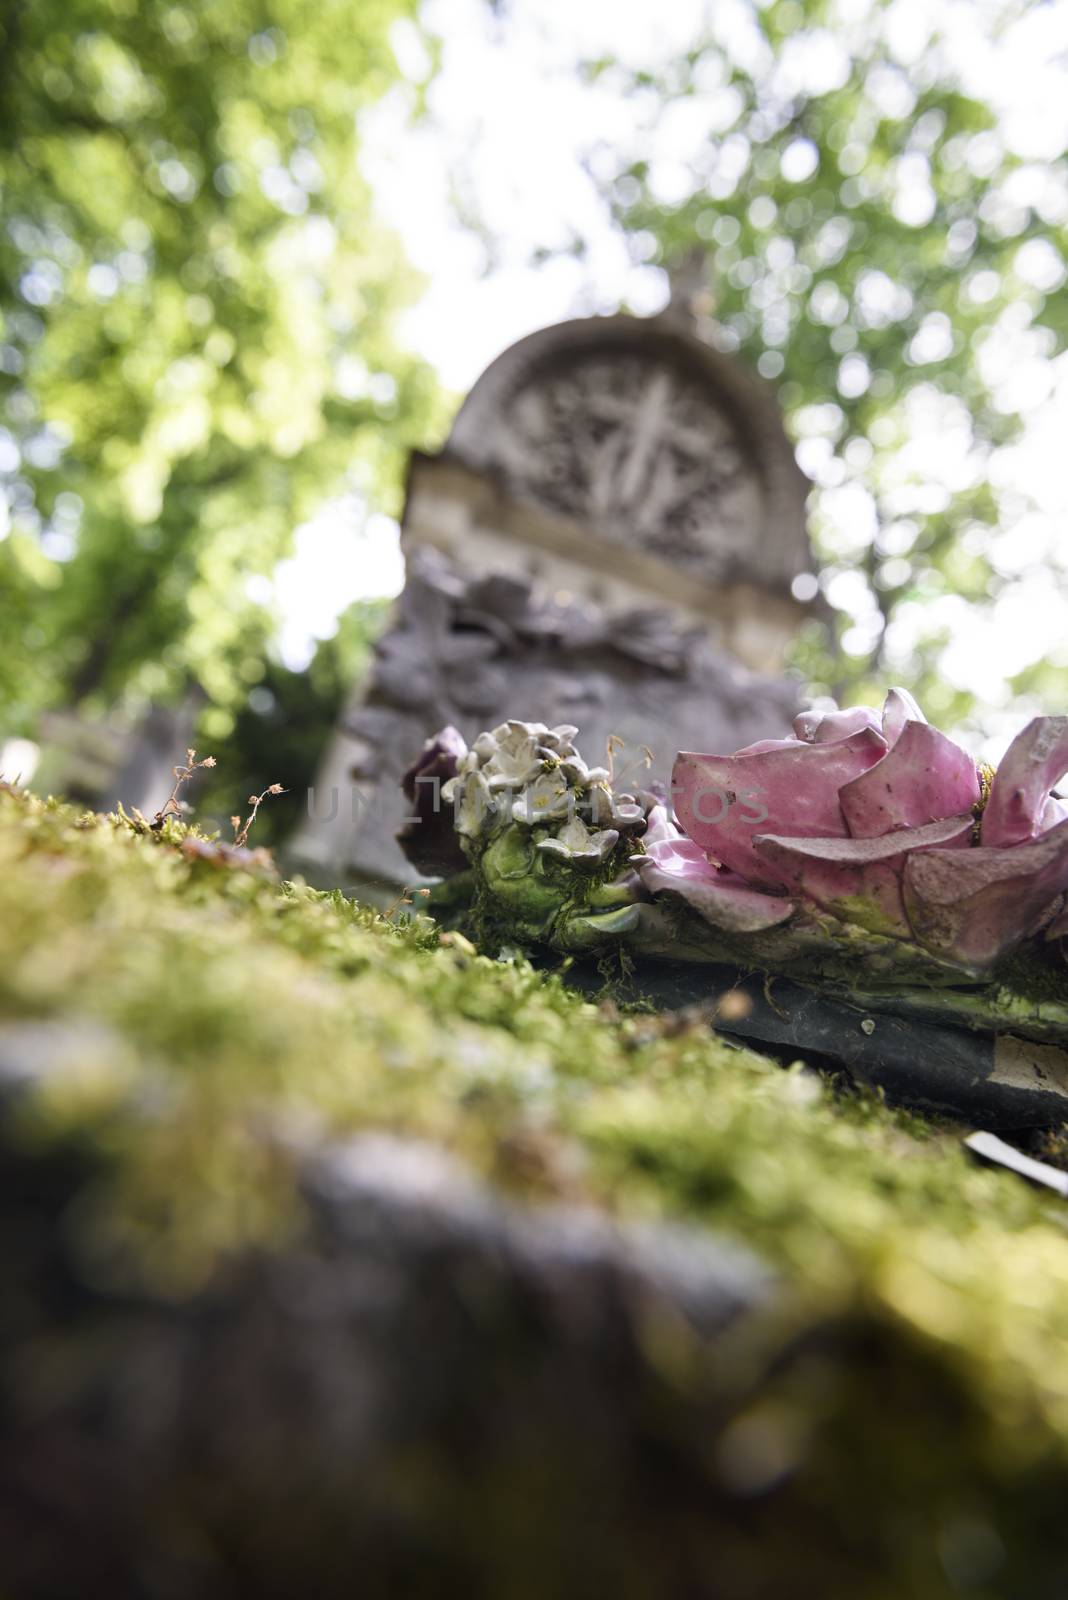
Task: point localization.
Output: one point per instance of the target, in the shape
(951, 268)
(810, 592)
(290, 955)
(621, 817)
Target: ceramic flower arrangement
(866, 857)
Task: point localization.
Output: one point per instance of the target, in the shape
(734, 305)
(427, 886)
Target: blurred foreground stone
(437, 1392)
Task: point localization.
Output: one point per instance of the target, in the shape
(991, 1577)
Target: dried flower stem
(404, 899)
(613, 745)
(182, 774)
(255, 801)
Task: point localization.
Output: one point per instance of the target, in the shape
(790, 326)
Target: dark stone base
(930, 1066)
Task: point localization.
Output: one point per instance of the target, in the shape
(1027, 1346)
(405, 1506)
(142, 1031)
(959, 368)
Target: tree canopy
(879, 193)
(196, 308)
(883, 257)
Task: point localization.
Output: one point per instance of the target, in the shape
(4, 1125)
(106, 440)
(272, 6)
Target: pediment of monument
(649, 439)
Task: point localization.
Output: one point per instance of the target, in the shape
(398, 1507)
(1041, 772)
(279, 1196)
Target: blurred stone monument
(609, 537)
(103, 760)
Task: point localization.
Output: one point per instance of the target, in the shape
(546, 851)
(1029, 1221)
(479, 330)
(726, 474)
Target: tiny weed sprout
(192, 844)
(173, 807)
(241, 829)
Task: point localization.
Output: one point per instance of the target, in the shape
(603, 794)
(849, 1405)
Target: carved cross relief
(638, 450)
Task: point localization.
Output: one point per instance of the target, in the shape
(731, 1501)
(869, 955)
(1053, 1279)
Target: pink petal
(763, 745)
(659, 828)
(828, 727)
(859, 880)
(1034, 761)
(924, 776)
(898, 708)
(723, 801)
(682, 869)
(1053, 811)
(975, 905)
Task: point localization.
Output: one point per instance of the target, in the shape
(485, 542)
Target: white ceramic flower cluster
(530, 774)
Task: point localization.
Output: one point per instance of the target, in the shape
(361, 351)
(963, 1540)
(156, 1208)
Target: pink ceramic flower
(677, 865)
(873, 818)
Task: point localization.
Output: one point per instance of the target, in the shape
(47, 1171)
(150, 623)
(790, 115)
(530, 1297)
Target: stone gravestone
(608, 538)
(102, 761)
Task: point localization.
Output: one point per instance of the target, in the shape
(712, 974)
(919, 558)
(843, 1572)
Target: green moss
(1035, 973)
(864, 911)
(205, 1024)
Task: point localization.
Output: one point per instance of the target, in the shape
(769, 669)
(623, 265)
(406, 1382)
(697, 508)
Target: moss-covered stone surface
(884, 1413)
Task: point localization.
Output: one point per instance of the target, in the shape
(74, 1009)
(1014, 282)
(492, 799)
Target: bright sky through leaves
(528, 146)
(205, 406)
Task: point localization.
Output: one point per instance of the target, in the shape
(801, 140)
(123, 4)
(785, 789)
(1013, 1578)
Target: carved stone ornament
(651, 440)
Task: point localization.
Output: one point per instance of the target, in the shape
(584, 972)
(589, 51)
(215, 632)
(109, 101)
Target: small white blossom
(576, 844)
(544, 800)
